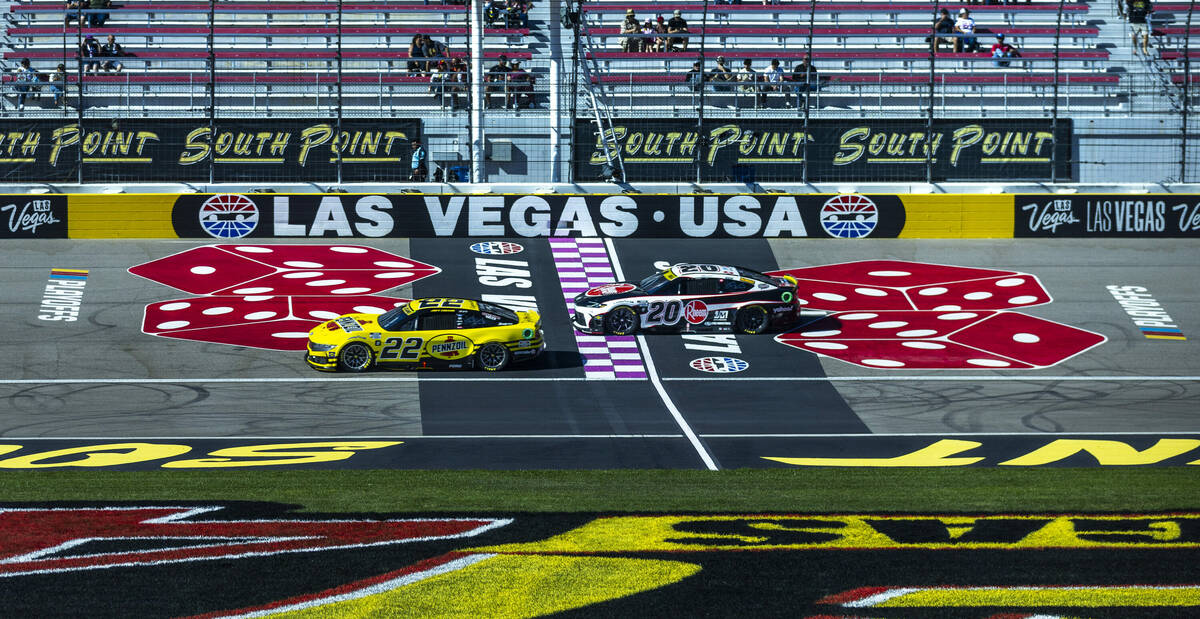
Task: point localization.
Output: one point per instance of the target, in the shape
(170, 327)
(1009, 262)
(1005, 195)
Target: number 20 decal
(662, 313)
(401, 349)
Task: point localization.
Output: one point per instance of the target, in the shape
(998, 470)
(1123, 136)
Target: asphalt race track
(100, 377)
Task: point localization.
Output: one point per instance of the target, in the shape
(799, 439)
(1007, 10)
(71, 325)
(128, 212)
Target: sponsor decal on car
(695, 312)
(608, 289)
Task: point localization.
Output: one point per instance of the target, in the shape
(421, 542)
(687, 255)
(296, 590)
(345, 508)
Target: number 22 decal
(401, 349)
(662, 313)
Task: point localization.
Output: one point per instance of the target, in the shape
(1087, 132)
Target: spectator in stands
(97, 20)
(943, 30)
(439, 72)
(416, 49)
(1001, 49)
(805, 78)
(27, 78)
(433, 49)
(497, 81)
(695, 77)
(965, 27)
(417, 163)
(516, 14)
(73, 7)
(676, 25)
(721, 75)
(748, 80)
(90, 51)
(493, 13)
(112, 49)
(456, 83)
(58, 83)
(773, 78)
(1139, 12)
(521, 85)
(630, 26)
(651, 44)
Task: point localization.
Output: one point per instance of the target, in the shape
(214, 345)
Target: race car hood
(609, 292)
(343, 327)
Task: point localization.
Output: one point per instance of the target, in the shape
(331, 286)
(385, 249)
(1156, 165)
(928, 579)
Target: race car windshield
(392, 317)
(652, 283)
(503, 312)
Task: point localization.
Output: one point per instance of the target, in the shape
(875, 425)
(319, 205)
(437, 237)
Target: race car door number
(662, 313)
(401, 349)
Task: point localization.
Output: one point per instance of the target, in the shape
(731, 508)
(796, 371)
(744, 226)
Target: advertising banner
(748, 150)
(148, 149)
(1099, 215)
(24, 216)
(234, 216)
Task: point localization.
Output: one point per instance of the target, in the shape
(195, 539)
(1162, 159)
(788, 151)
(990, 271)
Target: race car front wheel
(621, 321)
(493, 357)
(355, 357)
(752, 320)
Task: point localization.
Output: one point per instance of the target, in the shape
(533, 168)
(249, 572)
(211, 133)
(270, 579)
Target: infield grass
(772, 490)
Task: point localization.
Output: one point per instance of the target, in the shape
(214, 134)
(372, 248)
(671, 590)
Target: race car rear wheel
(621, 321)
(493, 356)
(752, 320)
(355, 357)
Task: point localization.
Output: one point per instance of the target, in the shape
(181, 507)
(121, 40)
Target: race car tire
(355, 357)
(492, 357)
(621, 321)
(752, 320)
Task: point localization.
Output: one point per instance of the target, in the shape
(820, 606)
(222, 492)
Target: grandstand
(246, 59)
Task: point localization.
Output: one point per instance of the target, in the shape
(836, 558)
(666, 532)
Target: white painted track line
(652, 373)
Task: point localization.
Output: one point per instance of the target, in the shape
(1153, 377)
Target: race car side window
(473, 320)
(668, 287)
(438, 321)
(733, 285)
(398, 321)
(706, 285)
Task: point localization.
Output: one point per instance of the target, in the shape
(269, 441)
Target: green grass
(793, 490)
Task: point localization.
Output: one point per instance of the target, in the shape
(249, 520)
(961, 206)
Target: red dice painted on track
(240, 270)
(893, 314)
(271, 296)
(896, 284)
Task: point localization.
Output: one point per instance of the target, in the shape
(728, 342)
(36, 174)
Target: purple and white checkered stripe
(583, 263)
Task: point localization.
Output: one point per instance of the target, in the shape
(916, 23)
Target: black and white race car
(690, 298)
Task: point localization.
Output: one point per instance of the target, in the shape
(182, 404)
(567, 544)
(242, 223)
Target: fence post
(1054, 115)
(699, 158)
(338, 133)
(808, 46)
(1187, 81)
(79, 101)
(212, 92)
(933, 45)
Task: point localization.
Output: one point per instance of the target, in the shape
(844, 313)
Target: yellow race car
(425, 333)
